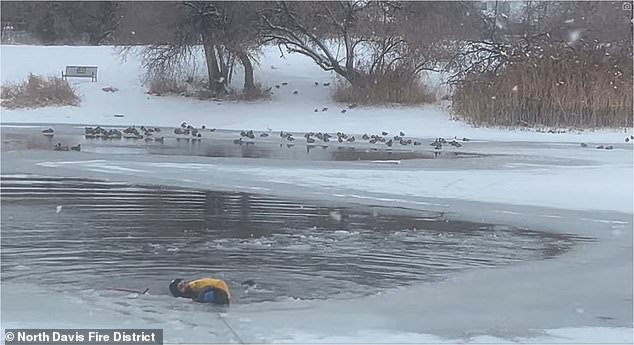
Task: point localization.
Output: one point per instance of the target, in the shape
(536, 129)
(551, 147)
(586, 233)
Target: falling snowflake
(574, 36)
(335, 216)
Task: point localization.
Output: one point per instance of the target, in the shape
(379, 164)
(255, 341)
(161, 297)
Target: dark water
(300, 151)
(220, 144)
(118, 235)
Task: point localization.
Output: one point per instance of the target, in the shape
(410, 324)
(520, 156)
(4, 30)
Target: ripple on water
(118, 235)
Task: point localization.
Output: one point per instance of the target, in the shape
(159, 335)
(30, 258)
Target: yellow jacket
(197, 286)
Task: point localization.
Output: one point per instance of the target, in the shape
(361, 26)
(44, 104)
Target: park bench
(81, 72)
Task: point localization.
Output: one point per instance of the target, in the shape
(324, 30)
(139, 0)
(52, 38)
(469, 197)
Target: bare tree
(226, 31)
(434, 31)
(572, 61)
(239, 35)
(357, 39)
(200, 25)
(317, 30)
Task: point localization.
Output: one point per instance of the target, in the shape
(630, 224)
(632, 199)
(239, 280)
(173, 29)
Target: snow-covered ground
(286, 111)
(535, 180)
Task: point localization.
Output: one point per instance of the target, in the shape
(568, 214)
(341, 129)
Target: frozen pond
(109, 234)
(450, 247)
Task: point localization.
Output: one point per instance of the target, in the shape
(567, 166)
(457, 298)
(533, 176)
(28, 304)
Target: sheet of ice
(584, 187)
(188, 322)
(589, 335)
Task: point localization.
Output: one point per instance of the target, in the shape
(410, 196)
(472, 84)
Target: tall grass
(560, 88)
(37, 91)
(199, 89)
(393, 86)
(256, 94)
(166, 86)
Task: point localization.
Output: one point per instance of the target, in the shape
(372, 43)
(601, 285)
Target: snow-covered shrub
(37, 91)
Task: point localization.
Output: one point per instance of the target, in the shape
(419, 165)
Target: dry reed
(560, 88)
(37, 91)
(402, 87)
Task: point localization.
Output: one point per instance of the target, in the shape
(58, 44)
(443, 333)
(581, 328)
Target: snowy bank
(286, 111)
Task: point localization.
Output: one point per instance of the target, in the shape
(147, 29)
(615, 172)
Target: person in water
(204, 290)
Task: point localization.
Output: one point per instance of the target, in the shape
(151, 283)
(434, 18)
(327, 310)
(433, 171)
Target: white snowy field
(536, 180)
(286, 111)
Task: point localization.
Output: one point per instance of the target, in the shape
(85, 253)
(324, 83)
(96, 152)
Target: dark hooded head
(174, 288)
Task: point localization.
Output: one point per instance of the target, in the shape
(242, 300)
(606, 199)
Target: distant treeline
(87, 22)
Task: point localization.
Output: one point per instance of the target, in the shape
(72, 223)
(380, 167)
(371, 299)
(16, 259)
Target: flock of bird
(189, 132)
(316, 110)
(343, 111)
(132, 132)
(610, 147)
(50, 132)
(439, 142)
(315, 138)
(60, 147)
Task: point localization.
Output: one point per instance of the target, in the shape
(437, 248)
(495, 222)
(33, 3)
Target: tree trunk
(216, 84)
(249, 85)
(222, 61)
(353, 76)
(210, 59)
